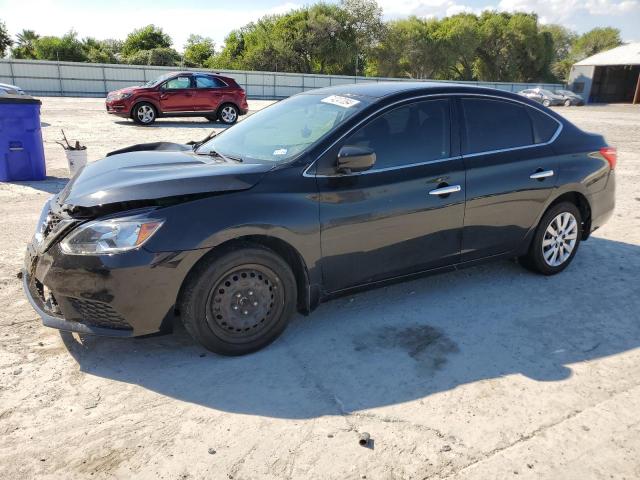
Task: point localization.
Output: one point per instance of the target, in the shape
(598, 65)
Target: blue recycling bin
(21, 149)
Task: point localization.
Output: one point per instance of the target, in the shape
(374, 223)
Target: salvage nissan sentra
(326, 192)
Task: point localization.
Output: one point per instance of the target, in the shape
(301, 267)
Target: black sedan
(570, 98)
(326, 192)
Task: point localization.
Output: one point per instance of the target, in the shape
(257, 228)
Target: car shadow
(50, 185)
(187, 123)
(401, 343)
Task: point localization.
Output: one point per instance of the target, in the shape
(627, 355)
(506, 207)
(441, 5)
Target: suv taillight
(611, 155)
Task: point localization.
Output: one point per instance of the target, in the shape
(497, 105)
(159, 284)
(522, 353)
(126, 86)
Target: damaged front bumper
(58, 322)
(120, 295)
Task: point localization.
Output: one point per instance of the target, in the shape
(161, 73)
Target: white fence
(72, 79)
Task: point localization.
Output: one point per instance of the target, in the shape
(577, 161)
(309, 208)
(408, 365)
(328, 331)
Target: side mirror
(355, 159)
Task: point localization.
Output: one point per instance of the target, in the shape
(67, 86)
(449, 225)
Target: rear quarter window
(495, 125)
(544, 127)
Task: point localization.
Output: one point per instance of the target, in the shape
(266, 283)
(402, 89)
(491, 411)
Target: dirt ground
(487, 373)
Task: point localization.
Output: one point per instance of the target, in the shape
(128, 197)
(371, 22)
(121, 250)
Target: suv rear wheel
(556, 240)
(144, 113)
(239, 302)
(228, 114)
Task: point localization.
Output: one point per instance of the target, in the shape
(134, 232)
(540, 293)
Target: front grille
(99, 314)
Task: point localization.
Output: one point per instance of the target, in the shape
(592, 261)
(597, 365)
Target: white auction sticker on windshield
(280, 151)
(344, 102)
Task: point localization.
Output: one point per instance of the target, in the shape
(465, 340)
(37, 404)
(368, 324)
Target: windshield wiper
(213, 153)
(199, 143)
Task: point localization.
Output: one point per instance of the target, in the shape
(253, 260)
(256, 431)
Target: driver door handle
(541, 175)
(446, 190)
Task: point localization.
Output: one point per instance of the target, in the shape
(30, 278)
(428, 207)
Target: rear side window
(544, 127)
(415, 133)
(208, 82)
(495, 125)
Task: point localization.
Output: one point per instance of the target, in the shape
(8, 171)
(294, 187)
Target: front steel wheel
(245, 302)
(556, 240)
(239, 300)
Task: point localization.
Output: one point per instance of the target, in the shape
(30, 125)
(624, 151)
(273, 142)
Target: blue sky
(115, 18)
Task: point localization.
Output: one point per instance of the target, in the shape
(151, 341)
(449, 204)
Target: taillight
(611, 155)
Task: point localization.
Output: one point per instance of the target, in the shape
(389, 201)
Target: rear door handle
(446, 190)
(541, 175)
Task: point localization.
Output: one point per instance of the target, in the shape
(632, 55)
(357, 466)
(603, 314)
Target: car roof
(389, 89)
(195, 73)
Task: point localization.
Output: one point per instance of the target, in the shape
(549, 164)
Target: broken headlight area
(50, 226)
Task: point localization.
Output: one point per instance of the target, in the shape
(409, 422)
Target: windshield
(546, 92)
(565, 92)
(282, 131)
(157, 81)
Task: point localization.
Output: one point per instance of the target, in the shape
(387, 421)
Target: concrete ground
(487, 373)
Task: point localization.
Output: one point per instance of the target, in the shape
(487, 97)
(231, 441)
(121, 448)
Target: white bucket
(77, 160)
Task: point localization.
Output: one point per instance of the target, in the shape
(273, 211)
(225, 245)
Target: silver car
(6, 89)
(545, 97)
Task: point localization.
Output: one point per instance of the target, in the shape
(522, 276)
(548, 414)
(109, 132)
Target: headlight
(104, 237)
(119, 96)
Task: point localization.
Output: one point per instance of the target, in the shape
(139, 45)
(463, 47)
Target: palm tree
(26, 43)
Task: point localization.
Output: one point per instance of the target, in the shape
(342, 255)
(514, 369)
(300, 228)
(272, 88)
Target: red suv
(181, 94)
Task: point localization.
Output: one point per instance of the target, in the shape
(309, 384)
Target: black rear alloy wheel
(240, 301)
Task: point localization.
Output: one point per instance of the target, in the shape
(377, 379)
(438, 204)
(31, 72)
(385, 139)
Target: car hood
(134, 89)
(12, 88)
(139, 176)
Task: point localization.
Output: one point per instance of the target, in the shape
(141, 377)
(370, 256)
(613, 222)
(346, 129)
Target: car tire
(546, 103)
(144, 113)
(240, 300)
(228, 114)
(567, 103)
(559, 230)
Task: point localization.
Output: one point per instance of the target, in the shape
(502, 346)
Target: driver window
(178, 83)
(414, 133)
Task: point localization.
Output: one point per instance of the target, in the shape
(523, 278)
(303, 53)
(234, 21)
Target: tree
(198, 51)
(25, 45)
(411, 48)
(595, 41)
(460, 42)
(364, 19)
(512, 49)
(563, 40)
(145, 38)
(5, 39)
(312, 39)
(65, 48)
(101, 51)
(167, 57)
